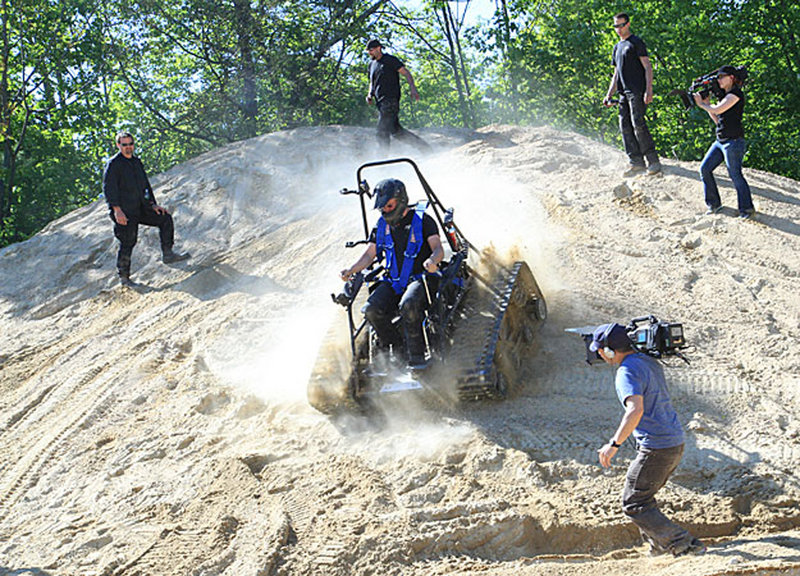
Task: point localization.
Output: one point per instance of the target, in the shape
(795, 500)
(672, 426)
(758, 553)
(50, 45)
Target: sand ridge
(164, 430)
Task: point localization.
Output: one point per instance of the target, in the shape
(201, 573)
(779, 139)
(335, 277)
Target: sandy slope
(164, 430)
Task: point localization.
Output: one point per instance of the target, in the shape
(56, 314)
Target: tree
(48, 75)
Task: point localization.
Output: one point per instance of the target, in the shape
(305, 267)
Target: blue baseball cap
(613, 336)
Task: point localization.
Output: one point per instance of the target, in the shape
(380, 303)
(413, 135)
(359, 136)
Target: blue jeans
(732, 152)
(646, 475)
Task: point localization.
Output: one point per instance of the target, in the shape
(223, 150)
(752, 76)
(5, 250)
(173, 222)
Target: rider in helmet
(406, 242)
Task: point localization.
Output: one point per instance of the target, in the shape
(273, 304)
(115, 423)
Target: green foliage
(50, 107)
(190, 75)
(554, 67)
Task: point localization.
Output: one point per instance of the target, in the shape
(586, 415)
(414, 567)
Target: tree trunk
(448, 33)
(5, 120)
(244, 29)
(464, 75)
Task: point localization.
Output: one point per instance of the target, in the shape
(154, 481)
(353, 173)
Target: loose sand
(164, 430)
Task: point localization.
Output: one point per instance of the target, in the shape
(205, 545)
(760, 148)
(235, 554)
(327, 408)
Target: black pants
(646, 475)
(635, 135)
(389, 125)
(128, 235)
(384, 304)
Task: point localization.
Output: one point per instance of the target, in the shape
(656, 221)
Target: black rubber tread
(333, 382)
(496, 331)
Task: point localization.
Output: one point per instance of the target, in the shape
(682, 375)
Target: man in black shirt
(384, 90)
(633, 80)
(402, 232)
(131, 202)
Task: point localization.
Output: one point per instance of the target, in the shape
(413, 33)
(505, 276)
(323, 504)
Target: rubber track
(495, 327)
(331, 386)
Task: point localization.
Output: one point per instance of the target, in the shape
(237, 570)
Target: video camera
(647, 334)
(705, 85)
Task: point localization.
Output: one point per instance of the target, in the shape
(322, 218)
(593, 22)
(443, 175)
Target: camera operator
(649, 416)
(730, 144)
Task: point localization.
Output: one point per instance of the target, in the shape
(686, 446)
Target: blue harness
(385, 247)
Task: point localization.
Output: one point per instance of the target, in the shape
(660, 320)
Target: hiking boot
(695, 548)
(654, 168)
(125, 280)
(633, 170)
(713, 210)
(169, 257)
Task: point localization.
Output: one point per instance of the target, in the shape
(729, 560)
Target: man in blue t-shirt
(650, 417)
(384, 90)
(633, 81)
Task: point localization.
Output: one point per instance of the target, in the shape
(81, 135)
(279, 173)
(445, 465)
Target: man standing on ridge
(633, 80)
(651, 419)
(131, 202)
(384, 90)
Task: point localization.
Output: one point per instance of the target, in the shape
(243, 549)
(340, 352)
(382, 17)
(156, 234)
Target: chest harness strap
(385, 246)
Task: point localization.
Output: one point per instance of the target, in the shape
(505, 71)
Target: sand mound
(164, 430)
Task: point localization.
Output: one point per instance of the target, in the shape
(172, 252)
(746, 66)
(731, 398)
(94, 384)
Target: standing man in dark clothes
(633, 80)
(132, 202)
(384, 90)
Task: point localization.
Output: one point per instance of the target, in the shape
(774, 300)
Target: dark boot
(125, 279)
(169, 256)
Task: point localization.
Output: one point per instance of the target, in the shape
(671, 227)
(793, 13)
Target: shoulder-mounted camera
(647, 334)
(707, 84)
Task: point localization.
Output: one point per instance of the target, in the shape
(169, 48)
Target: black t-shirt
(729, 126)
(400, 232)
(630, 72)
(384, 77)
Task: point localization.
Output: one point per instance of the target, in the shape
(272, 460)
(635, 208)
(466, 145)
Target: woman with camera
(730, 144)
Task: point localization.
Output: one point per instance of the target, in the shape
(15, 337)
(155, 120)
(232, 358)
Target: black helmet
(387, 189)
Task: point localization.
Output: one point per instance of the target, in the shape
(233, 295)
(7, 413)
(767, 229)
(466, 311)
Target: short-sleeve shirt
(384, 77)
(730, 125)
(659, 426)
(630, 72)
(400, 234)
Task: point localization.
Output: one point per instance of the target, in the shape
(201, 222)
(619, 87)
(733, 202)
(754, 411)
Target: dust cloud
(165, 430)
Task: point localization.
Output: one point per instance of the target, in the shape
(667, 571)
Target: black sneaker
(695, 548)
(125, 280)
(713, 210)
(747, 214)
(654, 169)
(171, 257)
(633, 170)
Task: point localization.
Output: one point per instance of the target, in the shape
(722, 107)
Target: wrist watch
(614, 444)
